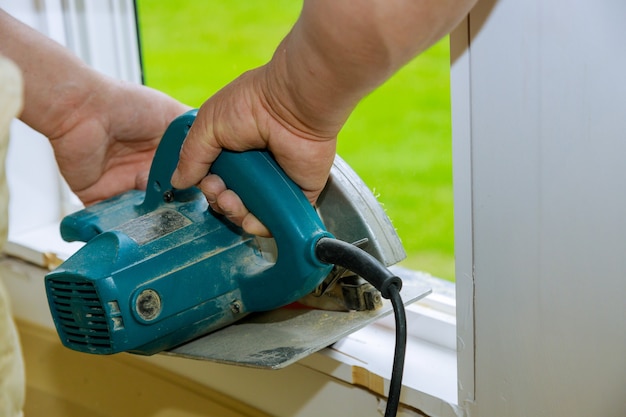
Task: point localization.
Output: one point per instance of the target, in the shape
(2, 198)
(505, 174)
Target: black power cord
(341, 253)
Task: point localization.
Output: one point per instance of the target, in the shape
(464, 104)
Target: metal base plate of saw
(281, 337)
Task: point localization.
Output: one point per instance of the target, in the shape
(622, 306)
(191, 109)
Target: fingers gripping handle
(268, 193)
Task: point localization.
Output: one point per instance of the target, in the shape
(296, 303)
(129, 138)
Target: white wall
(546, 125)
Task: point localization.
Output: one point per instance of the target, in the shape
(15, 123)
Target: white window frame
(432, 384)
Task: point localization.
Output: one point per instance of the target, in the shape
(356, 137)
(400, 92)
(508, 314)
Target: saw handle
(282, 207)
(272, 197)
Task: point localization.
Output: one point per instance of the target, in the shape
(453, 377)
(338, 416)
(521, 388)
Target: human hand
(248, 114)
(106, 145)
(104, 132)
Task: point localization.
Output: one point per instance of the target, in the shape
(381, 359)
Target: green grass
(398, 139)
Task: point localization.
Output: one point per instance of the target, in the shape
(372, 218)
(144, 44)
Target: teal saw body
(160, 269)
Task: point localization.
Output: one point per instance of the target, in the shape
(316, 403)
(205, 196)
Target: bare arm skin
(104, 132)
(337, 52)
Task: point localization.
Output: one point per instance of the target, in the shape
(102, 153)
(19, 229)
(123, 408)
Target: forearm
(56, 82)
(341, 50)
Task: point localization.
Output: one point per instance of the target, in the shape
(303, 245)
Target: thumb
(197, 153)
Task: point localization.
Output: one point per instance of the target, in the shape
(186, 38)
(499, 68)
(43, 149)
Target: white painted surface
(548, 202)
(463, 233)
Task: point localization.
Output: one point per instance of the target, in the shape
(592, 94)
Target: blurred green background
(398, 139)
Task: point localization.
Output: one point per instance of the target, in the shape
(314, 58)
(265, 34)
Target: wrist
(320, 73)
(59, 106)
(301, 90)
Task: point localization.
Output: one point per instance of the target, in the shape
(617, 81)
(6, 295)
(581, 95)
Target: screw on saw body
(235, 307)
(168, 196)
(148, 305)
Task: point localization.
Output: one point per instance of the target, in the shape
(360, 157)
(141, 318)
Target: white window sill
(364, 358)
(42, 246)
